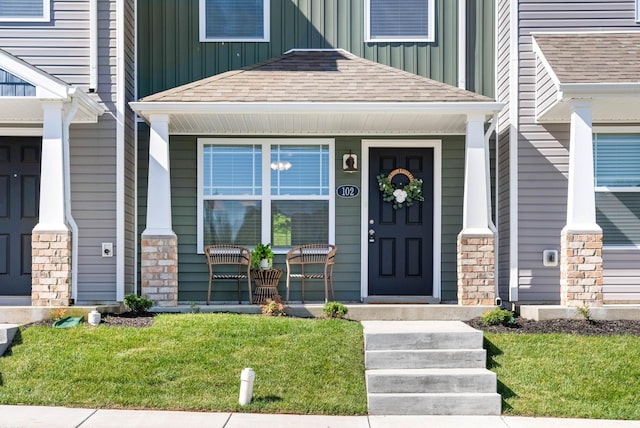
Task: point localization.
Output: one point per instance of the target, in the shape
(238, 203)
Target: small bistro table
(266, 284)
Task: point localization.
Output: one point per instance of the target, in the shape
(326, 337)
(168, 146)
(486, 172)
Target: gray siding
(61, 48)
(192, 270)
(543, 150)
(504, 217)
(547, 92)
(502, 65)
(620, 276)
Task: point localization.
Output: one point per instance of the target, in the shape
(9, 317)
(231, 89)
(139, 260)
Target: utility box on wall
(550, 258)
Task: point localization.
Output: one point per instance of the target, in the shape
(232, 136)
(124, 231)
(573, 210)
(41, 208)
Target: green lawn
(191, 362)
(563, 375)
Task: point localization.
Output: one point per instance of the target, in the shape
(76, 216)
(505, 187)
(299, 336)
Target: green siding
(192, 270)
(170, 54)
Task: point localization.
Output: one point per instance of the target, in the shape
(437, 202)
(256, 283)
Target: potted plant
(262, 257)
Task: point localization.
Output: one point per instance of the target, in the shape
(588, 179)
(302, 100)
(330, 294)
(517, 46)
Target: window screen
(24, 10)
(401, 20)
(235, 20)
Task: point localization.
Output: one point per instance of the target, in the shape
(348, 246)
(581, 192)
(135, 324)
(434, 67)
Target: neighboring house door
(400, 244)
(19, 196)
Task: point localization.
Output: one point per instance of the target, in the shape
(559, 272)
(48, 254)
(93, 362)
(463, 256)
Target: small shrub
(137, 304)
(273, 308)
(498, 316)
(585, 313)
(58, 314)
(195, 309)
(335, 310)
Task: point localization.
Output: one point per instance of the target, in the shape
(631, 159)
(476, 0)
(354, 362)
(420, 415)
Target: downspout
(67, 197)
(492, 226)
(120, 150)
(514, 115)
(462, 44)
(93, 45)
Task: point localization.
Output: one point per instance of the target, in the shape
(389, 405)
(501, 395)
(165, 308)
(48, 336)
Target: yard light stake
(246, 386)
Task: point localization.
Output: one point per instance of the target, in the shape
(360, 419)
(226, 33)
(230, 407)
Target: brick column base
(159, 269)
(51, 268)
(581, 268)
(476, 270)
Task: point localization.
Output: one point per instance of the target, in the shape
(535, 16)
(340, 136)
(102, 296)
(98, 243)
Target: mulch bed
(127, 319)
(567, 326)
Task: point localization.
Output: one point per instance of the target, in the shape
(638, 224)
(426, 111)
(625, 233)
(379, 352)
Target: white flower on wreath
(400, 195)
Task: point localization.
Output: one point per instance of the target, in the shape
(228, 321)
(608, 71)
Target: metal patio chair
(322, 256)
(233, 255)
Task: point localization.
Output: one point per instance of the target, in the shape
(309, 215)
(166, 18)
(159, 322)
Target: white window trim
(266, 196)
(266, 26)
(46, 15)
(430, 37)
(605, 189)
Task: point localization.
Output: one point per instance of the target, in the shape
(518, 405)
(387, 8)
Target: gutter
(462, 44)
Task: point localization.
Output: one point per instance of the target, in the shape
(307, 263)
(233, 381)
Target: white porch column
(51, 215)
(159, 184)
(159, 244)
(51, 239)
(581, 240)
(476, 248)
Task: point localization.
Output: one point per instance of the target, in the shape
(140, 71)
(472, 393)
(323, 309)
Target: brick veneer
(581, 268)
(159, 269)
(51, 268)
(476, 270)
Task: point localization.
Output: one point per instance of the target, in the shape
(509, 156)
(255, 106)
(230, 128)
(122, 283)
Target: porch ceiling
(601, 67)
(321, 92)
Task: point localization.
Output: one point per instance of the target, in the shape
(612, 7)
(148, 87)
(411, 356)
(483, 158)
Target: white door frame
(436, 145)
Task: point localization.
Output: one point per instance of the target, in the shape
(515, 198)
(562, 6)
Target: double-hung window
(400, 20)
(234, 20)
(617, 185)
(274, 191)
(24, 10)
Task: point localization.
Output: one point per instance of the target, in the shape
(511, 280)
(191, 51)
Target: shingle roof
(592, 57)
(316, 76)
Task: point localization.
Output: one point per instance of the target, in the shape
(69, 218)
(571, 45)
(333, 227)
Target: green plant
(585, 313)
(273, 307)
(335, 310)
(498, 316)
(259, 253)
(137, 304)
(398, 196)
(195, 309)
(58, 314)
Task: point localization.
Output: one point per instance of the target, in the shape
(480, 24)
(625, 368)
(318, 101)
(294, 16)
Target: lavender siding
(544, 155)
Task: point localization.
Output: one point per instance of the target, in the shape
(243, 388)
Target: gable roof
(319, 92)
(317, 76)
(28, 109)
(603, 68)
(592, 57)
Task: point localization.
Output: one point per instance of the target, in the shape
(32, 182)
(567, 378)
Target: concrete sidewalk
(62, 417)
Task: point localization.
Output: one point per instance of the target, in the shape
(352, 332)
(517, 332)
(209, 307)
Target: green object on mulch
(67, 322)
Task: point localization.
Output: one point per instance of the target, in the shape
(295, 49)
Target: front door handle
(372, 235)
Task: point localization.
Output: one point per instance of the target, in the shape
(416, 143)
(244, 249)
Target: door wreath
(400, 195)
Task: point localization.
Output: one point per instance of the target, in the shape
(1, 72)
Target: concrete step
(7, 333)
(413, 335)
(426, 359)
(431, 381)
(435, 404)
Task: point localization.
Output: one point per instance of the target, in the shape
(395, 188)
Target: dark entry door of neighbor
(400, 240)
(19, 202)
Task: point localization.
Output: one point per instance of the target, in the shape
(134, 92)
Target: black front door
(19, 202)
(400, 240)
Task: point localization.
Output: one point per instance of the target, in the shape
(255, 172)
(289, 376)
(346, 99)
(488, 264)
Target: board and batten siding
(192, 269)
(61, 48)
(544, 150)
(170, 53)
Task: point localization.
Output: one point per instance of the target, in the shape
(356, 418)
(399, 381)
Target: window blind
(617, 160)
(398, 19)
(235, 19)
(21, 8)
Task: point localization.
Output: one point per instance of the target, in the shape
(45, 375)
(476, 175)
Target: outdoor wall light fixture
(349, 162)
